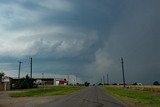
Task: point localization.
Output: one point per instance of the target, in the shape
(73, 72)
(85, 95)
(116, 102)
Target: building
(46, 81)
(9, 83)
(51, 81)
(5, 85)
(61, 82)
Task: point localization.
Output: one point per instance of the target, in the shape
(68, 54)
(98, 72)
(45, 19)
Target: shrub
(26, 82)
(156, 83)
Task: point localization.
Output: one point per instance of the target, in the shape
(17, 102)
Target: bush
(25, 83)
(86, 84)
(1, 75)
(100, 84)
(156, 83)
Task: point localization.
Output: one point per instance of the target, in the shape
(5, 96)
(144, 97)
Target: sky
(84, 39)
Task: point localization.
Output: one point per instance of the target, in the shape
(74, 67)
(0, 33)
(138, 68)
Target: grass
(149, 88)
(135, 97)
(48, 91)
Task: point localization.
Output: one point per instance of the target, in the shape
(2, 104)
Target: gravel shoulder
(6, 101)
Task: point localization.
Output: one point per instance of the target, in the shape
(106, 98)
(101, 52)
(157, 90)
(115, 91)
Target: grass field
(48, 91)
(137, 96)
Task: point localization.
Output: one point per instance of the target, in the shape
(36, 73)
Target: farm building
(51, 81)
(9, 83)
(47, 81)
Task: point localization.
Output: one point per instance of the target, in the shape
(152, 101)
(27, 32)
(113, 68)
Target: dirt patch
(6, 101)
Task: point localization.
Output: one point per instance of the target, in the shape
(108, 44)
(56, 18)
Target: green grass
(148, 99)
(48, 91)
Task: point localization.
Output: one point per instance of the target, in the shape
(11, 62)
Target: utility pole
(107, 79)
(103, 80)
(123, 72)
(19, 69)
(76, 80)
(31, 67)
(43, 81)
(42, 75)
(54, 79)
(68, 80)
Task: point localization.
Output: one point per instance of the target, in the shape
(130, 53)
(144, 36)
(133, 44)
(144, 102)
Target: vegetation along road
(136, 96)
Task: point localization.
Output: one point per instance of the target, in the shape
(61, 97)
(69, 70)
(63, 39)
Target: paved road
(88, 97)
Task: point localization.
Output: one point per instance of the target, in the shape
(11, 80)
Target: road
(88, 97)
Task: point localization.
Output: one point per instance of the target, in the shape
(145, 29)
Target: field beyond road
(142, 96)
(46, 91)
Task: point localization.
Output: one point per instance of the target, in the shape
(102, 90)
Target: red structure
(63, 82)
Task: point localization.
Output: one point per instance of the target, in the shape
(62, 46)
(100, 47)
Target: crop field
(47, 91)
(139, 96)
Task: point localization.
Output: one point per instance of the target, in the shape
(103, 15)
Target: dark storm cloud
(85, 38)
(136, 37)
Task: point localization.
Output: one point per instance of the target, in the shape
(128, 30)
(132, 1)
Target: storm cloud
(85, 39)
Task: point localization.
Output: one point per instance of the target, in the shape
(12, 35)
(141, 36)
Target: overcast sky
(81, 38)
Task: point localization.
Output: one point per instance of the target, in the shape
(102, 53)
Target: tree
(26, 82)
(156, 83)
(1, 75)
(100, 84)
(86, 84)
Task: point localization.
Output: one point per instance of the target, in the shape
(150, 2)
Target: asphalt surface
(88, 97)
